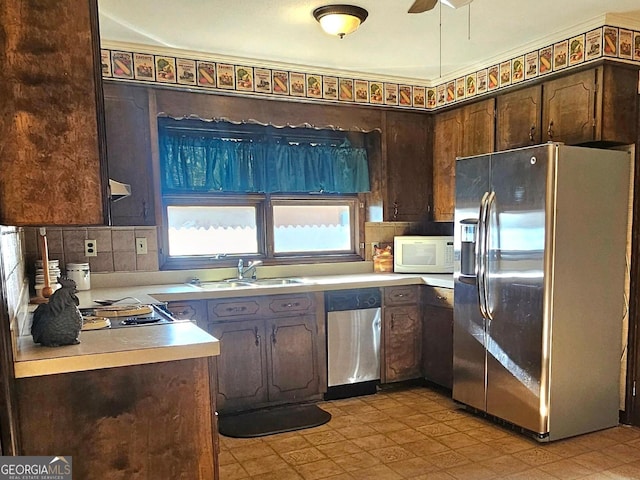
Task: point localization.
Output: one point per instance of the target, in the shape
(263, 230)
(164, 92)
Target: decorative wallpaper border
(607, 41)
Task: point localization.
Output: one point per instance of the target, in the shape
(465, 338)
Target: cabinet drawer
(282, 304)
(233, 308)
(406, 295)
(193, 311)
(438, 297)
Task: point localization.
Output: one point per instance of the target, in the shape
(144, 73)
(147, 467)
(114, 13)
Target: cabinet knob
(274, 331)
(550, 129)
(532, 132)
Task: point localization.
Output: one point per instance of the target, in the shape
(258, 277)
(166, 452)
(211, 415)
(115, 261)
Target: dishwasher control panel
(355, 299)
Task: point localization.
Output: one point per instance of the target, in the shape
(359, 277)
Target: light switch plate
(141, 245)
(90, 248)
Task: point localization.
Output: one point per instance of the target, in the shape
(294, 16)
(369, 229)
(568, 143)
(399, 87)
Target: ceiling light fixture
(340, 19)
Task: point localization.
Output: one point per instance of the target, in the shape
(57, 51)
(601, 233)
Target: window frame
(264, 204)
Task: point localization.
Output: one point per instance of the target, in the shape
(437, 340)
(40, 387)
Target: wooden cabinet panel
(292, 358)
(408, 167)
(50, 114)
(402, 343)
(437, 335)
(270, 349)
(438, 297)
(145, 422)
(447, 145)
(568, 108)
(479, 128)
(290, 304)
(193, 310)
(518, 117)
(228, 309)
(242, 363)
(406, 295)
(129, 152)
(465, 131)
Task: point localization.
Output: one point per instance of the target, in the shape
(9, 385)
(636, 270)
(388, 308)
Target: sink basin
(221, 285)
(261, 282)
(278, 281)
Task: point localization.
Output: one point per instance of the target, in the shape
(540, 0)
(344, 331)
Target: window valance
(219, 159)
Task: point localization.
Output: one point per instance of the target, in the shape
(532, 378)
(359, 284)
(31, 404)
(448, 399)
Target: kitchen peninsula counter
(135, 402)
(108, 348)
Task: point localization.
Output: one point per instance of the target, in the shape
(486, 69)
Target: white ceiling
(390, 43)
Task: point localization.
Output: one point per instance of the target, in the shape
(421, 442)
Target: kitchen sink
(221, 285)
(279, 281)
(248, 283)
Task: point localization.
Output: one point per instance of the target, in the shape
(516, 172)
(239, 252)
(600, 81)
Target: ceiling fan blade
(420, 6)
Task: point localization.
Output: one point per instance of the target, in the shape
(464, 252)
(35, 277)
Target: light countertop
(166, 342)
(116, 348)
(177, 292)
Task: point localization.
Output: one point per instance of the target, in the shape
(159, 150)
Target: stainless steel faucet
(244, 272)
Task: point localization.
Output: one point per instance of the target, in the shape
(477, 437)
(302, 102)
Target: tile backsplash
(115, 247)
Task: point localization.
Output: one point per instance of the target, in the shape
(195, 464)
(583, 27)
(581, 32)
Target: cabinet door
(408, 167)
(51, 132)
(518, 118)
(242, 364)
(479, 128)
(402, 343)
(447, 145)
(437, 335)
(569, 108)
(293, 364)
(129, 152)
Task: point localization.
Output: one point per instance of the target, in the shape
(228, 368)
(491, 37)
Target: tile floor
(418, 433)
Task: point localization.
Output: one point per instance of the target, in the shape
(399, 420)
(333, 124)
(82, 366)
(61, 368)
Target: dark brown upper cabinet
(409, 168)
(129, 152)
(50, 114)
(590, 106)
(465, 131)
(518, 116)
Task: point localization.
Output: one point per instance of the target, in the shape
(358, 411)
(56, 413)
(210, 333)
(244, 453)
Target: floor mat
(259, 423)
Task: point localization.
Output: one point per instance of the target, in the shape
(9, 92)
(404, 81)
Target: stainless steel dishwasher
(353, 342)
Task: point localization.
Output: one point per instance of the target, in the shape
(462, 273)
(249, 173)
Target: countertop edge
(171, 343)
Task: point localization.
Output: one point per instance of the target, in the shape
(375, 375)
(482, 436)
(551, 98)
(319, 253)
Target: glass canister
(81, 274)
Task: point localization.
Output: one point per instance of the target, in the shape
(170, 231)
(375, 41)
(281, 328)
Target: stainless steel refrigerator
(540, 235)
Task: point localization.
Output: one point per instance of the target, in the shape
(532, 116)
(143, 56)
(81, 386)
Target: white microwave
(423, 254)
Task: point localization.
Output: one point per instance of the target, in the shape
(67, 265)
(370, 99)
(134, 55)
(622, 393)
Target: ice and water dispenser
(468, 234)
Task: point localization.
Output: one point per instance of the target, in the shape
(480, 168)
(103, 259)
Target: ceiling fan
(420, 6)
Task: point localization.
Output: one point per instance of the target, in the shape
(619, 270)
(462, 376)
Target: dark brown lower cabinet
(402, 343)
(142, 421)
(437, 335)
(269, 350)
(401, 334)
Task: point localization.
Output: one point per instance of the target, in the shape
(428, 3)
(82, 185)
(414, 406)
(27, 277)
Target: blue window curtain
(262, 164)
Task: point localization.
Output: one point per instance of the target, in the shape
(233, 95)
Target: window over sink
(246, 191)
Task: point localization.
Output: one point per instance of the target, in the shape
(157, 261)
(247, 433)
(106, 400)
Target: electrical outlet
(90, 248)
(141, 245)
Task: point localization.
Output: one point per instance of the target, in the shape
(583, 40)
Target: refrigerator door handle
(480, 254)
(485, 281)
